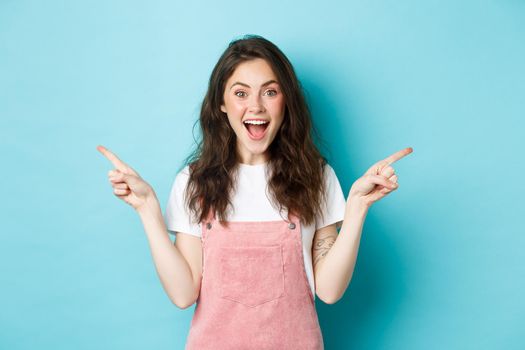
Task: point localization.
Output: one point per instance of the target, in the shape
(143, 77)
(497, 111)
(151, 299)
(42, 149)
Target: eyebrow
(243, 84)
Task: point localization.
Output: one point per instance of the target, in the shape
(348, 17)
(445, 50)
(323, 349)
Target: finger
(398, 155)
(129, 179)
(117, 176)
(117, 163)
(115, 182)
(378, 168)
(381, 180)
(122, 196)
(393, 179)
(112, 173)
(379, 195)
(121, 186)
(387, 171)
(387, 190)
(120, 192)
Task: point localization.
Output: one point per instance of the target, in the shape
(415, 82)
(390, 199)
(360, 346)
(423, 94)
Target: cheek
(236, 108)
(278, 104)
(235, 114)
(278, 108)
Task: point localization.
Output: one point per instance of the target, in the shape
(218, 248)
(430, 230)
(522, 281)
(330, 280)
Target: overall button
(208, 225)
(291, 225)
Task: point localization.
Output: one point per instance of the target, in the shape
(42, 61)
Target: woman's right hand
(127, 183)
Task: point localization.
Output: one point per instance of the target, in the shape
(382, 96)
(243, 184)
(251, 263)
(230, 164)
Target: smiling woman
(262, 189)
(256, 207)
(255, 108)
(254, 80)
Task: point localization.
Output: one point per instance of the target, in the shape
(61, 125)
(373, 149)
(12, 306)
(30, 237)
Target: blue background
(441, 261)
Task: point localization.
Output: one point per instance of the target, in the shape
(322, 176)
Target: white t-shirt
(252, 203)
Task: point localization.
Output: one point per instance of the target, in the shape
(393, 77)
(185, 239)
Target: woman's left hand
(378, 181)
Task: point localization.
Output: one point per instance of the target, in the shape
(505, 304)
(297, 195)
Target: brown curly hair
(296, 167)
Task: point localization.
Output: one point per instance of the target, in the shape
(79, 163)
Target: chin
(257, 150)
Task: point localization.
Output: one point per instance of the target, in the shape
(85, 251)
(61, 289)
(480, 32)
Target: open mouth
(256, 128)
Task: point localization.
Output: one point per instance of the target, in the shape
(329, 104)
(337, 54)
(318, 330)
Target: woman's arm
(334, 255)
(178, 280)
(179, 267)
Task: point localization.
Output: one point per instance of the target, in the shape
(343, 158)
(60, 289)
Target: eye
(240, 93)
(271, 92)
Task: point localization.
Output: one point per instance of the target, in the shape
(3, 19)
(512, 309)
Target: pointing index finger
(112, 158)
(398, 155)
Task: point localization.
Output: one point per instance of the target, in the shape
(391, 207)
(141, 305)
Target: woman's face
(255, 107)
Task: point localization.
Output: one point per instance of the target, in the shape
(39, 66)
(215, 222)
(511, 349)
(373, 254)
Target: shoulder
(183, 175)
(332, 187)
(184, 172)
(181, 180)
(329, 174)
(328, 168)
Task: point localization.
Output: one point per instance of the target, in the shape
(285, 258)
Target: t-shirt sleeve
(177, 216)
(335, 205)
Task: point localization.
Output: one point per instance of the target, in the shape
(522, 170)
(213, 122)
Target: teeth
(255, 122)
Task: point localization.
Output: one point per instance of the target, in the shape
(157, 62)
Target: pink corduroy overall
(254, 290)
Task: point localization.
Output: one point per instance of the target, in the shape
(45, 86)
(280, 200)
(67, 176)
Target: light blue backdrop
(441, 261)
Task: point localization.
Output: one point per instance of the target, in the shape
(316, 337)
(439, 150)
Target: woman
(255, 211)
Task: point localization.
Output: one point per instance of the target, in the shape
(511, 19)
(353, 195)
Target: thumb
(382, 180)
(119, 176)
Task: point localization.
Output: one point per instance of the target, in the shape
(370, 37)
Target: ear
(223, 108)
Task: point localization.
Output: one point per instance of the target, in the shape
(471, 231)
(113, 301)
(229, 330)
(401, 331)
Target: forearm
(172, 268)
(337, 267)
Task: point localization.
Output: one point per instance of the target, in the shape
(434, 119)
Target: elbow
(185, 301)
(329, 299)
(183, 305)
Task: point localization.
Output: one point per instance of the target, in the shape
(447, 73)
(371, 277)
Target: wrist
(357, 204)
(150, 206)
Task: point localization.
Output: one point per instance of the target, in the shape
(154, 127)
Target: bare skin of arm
(179, 265)
(334, 255)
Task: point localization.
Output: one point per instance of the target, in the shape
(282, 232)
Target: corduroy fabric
(254, 291)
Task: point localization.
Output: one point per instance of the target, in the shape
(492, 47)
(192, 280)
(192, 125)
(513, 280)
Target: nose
(256, 105)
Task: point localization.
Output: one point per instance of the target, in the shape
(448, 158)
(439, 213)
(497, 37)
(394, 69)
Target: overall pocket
(251, 275)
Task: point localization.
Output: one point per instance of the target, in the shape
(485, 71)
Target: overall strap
(291, 216)
(210, 216)
(205, 224)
